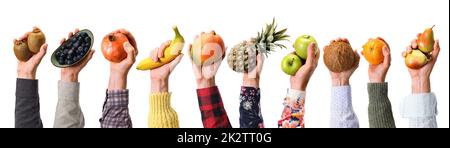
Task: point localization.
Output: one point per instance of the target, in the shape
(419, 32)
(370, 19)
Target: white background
(398, 21)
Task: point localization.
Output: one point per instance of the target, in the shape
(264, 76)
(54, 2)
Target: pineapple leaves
(267, 38)
(242, 58)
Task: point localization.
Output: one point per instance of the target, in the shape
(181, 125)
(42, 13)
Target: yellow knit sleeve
(161, 114)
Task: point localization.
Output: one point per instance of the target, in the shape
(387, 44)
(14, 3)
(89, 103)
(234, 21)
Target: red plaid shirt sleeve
(212, 109)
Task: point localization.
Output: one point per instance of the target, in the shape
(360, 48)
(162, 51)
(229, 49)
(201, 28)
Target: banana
(170, 53)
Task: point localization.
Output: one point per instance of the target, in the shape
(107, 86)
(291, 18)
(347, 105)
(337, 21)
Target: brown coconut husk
(339, 56)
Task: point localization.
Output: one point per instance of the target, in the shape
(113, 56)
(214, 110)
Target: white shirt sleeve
(420, 110)
(342, 114)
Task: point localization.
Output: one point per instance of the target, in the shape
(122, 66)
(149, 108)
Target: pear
(416, 59)
(425, 40)
(35, 40)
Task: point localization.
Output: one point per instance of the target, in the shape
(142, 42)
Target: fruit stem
(178, 36)
(111, 38)
(432, 26)
(175, 29)
(36, 29)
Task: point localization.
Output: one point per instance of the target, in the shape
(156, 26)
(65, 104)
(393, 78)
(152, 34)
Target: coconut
(339, 56)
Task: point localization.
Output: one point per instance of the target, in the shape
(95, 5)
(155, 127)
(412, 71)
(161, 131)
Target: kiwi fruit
(339, 56)
(21, 50)
(35, 40)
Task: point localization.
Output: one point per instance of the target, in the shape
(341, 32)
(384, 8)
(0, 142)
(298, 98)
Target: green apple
(290, 64)
(301, 45)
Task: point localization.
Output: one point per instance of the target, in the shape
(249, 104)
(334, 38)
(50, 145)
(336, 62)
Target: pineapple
(242, 57)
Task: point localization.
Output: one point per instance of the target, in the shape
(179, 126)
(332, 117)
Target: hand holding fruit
(207, 48)
(206, 54)
(119, 70)
(160, 76)
(70, 74)
(301, 78)
(293, 61)
(169, 54)
(30, 45)
(123, 67)
(341, 60)
(377, 53)
(27, 69)
(420, 58)
(421, 76)
(423, 48)
(243, 57)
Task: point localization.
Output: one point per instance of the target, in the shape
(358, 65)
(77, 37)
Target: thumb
(189, 51)
(175, 62)
(310, 58)
(42, 52)
(358, 57)
(436, 50)
(131, 54)
(387, 56)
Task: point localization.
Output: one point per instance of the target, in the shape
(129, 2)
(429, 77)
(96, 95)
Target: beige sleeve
(68, 111)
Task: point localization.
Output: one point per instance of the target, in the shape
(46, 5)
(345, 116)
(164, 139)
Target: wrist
(159, 85)
(251, 82)
(26, 75)
(68, 76)
(298, 85)
(117, 81)
(340, 82)
(376, 79)
(420, 85)
(205, 83)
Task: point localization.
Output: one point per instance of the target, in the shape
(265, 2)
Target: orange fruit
(373, 51)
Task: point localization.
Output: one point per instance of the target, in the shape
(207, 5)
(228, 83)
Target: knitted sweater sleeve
(380, 110)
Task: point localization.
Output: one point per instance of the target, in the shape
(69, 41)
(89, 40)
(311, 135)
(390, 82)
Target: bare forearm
(421, 85)
(206, 83)
(26, 75)
(67, 76)
(340, 82)
(298, 84)
(251, 82)
(117, 81)
(159, 85)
